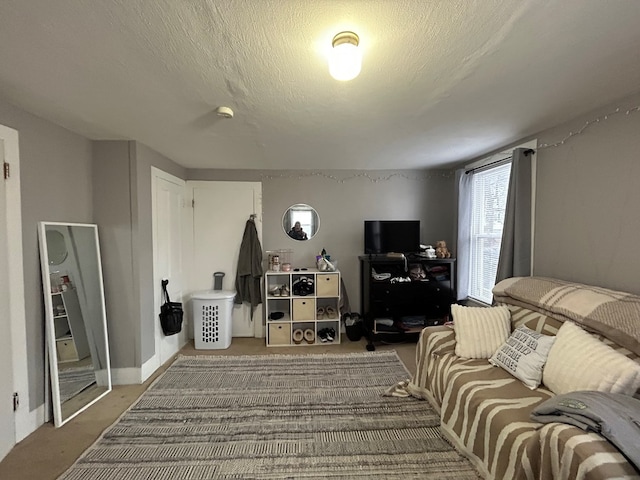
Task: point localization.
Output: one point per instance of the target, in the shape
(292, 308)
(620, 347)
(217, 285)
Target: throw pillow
(480, 330)
(523, 355)
(579, 361)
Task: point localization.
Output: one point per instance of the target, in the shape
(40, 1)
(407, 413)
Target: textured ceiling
(442, 80)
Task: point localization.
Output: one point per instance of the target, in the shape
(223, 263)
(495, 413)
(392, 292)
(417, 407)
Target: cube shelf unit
(301, 312)
(72, 344)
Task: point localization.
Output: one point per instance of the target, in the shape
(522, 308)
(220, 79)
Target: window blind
(489, 196)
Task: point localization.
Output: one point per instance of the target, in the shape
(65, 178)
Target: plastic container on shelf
(278, 258)
(212, 319)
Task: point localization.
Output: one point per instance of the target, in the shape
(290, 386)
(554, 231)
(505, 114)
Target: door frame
(259, 329)
(25, 421)
(156, 362)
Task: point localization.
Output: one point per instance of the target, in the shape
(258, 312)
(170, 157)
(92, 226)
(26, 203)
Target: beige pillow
(523, 355)
(480, 330)
(579, 361)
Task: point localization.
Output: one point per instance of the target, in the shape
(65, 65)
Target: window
(489, 189)
(305, 217)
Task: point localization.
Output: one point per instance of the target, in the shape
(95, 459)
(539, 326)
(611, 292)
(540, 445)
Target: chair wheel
(371, 348)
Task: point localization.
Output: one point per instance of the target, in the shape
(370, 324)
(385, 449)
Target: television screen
(385, 236)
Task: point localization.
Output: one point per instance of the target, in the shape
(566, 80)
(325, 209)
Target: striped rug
(275, 417)
(74, 380)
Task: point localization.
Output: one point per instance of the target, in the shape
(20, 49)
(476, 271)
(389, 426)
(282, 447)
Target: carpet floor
(275, 417)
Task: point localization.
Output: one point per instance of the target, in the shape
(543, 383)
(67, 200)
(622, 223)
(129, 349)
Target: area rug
(73, 380)
(275, 417)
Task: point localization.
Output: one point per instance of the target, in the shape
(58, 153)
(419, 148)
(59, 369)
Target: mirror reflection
(300, 222)
(56, 247)
(76, 327)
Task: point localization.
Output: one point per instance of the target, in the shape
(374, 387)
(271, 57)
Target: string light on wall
(587, 125)
(441, 173)
(367, 176)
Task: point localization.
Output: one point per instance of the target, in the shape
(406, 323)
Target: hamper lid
(213, 294)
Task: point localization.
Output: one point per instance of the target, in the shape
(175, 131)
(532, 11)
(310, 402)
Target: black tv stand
(392, 297)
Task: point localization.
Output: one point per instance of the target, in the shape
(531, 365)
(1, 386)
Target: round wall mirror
(300, 222)
(56, 247)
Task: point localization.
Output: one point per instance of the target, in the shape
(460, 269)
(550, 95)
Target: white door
(14, 426)
(220, 213)
(7, 422)
(167, 208)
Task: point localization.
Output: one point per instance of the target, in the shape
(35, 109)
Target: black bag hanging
(170, 313)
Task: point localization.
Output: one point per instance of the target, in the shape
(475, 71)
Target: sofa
(488, 413)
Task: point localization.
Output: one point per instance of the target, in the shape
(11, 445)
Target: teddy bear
(441, 249)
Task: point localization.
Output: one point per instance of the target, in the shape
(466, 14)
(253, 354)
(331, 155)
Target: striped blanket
(485, 412)
(616, 315)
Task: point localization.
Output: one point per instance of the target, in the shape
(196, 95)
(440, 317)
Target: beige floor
(49, 451)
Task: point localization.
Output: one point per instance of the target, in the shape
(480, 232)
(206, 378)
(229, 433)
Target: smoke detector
(224, 112)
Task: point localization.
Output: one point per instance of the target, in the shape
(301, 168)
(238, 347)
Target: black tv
(386, 236)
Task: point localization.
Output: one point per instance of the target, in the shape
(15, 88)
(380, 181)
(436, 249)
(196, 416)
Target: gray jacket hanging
(249, 275)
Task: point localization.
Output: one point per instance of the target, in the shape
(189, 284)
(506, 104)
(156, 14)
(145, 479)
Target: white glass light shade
(345, 60)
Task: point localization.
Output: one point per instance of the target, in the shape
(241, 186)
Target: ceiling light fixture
(224, 112)
(345, 59)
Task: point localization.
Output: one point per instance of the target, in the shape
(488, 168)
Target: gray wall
(587, 221)
(143, 243)
(55, 175)
(123, 213)
(343, 200)
(587, 198)
(113, 214)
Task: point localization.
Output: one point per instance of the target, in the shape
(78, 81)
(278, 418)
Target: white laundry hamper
(212, 317)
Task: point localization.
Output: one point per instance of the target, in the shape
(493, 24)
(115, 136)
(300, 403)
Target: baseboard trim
(136, 376)
(29, 423)
(126, 376)
(149, 368)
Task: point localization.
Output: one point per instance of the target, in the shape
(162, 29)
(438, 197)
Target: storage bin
(279, 333)
(304, 309)
(66, 350)
(212, 319)
(328, 285)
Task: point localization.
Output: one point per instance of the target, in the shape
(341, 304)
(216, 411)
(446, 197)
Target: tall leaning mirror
(76, 322)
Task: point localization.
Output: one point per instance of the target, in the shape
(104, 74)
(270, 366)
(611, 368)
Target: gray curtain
(515, 250)
(465, 209)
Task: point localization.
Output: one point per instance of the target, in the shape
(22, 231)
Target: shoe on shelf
(309, 336)
(327, 335)
(284, 291)
(322, 335)
(298, 336)
(320, 313)
(331, 312)
(275, 291)
(330, 334)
